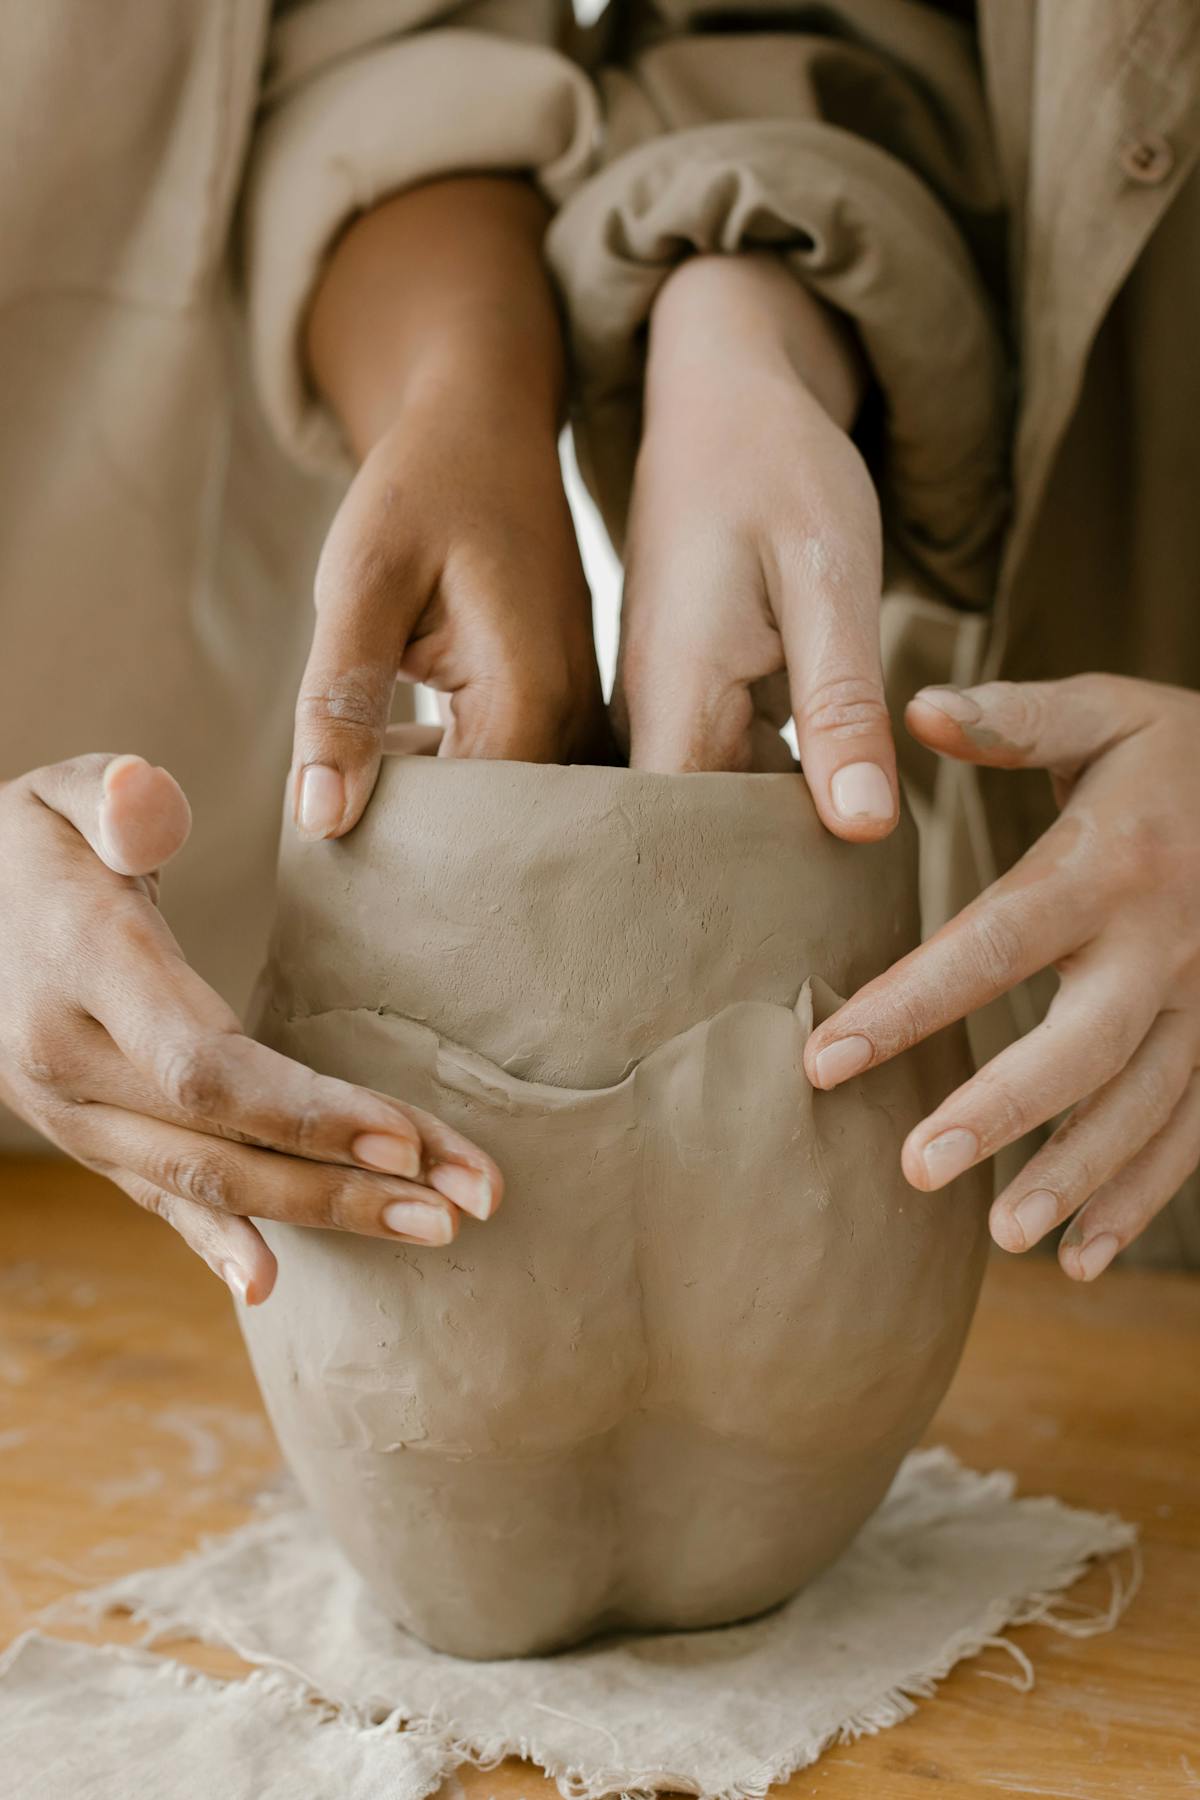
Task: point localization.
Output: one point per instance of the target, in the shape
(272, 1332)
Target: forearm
(712, 305)
(441, 290)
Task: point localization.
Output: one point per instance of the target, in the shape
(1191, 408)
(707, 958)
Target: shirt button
(1148, 159)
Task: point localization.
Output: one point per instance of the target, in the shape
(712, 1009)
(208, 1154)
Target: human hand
(120, 1054)
(453, 559)
(754, 563)
(1108, 897)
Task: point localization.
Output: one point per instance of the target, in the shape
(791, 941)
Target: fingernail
(412, 1219)
(959, 707)
(1035, 1215)
(862, 791)
(321, 801)
(390, 1155)
(948, 1155)
(837, 1062)
(235, 1281)
(466, 1187)
(1096, 1255)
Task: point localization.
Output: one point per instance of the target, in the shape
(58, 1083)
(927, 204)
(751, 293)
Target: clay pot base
(669, 1380)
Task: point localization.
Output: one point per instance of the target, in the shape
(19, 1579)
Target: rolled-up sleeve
(851, 140)
(363, 98)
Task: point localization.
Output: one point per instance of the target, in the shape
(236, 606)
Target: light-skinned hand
(1108, 898)
(754, 565)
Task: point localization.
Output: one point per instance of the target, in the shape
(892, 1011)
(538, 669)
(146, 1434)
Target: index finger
(1029, 919)
(830, 588)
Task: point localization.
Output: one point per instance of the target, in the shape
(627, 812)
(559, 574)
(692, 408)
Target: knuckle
(1147, 854)
(46, 1049)
(353, 703)
(850, 706)
(42, 1058)
(831, 557)
(210, 1180)
(323, 1204)
(910, 1017)
(115, 912)
(192, 1077)
(308, 1130)
(1006, 1113)
(1112, 1034)
(152, 1199)
(997, 947)
(1026, 710)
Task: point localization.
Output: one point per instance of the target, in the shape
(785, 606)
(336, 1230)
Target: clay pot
(668, 1381)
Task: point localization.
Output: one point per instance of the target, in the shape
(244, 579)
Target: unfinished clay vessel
(668, 1381)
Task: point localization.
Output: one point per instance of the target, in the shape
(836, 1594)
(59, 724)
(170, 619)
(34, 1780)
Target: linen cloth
(94, 1722)
(950, 1559)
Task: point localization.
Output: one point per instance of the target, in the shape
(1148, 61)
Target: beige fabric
(857, 145)
(156, 546)
(1102, 567)
(100, 1722)
(337, 139)
(948, 1562)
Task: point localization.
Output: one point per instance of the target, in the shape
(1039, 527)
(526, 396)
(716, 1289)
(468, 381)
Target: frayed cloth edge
(1107, 1536)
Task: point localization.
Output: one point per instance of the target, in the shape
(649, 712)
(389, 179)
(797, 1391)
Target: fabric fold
(866, 235)
(352, 123)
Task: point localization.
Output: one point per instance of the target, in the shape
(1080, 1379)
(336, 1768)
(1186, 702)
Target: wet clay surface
(667, 1382)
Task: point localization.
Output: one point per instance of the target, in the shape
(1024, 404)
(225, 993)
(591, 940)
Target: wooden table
(130, 1426)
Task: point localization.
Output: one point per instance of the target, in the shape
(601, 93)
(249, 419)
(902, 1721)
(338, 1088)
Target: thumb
(365, 609)
(844, 735)
(1061, 726)
(134, 816)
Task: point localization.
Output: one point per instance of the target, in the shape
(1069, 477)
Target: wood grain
(130, 1427)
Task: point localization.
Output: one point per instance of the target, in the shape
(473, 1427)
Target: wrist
(465, 375)
(440, 297)
(722, 316)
